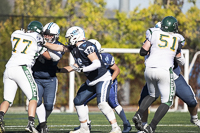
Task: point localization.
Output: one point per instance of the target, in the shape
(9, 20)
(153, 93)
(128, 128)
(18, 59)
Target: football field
(173, 122)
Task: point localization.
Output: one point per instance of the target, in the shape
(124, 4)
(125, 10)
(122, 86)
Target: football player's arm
(179, 56)
(95, 63)
(66, 69)
(180, 59)
(116, 72)
(44, 52)
(55, 47)
(145, 48)
(46, 55)
(55, 55)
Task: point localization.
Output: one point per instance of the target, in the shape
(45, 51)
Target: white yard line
(160, 125)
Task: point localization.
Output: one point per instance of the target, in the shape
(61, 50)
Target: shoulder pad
(181, 38)
(150, 31)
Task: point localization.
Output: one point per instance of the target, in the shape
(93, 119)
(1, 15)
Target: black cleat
(42, 128)
(138, 122)
(2, 129)
(30, 127)
(148, 129)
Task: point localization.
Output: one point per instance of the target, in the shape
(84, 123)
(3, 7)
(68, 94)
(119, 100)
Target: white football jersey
(25, 48)
(164, 47)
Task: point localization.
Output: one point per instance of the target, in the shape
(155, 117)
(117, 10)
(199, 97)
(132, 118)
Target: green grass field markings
(159, 125)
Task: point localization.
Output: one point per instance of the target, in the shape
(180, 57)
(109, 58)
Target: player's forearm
(55, 56)
(116, 71)
(114, 75)
(145, 48)
(180, 59)
(66, 69)
(46, 55)
(95, 65)
(55, 47)
(62, 70)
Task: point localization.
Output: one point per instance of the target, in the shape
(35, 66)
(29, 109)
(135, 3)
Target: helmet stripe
(49, 26)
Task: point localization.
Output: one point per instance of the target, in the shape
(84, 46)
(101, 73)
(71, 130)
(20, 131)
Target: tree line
(125, 30)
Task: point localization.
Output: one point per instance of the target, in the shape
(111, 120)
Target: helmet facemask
(51, 38)
(51, 32)
(68, 42)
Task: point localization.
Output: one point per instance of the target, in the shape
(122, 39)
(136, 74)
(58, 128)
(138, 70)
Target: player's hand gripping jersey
(24, 48)
(164, 47)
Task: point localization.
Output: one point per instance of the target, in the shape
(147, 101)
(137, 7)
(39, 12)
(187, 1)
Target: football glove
(42, 41)
(78, 69)
(58, 70)
(43, 50)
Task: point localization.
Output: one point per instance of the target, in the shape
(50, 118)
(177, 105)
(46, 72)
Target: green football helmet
(169, 24)
(35, 26)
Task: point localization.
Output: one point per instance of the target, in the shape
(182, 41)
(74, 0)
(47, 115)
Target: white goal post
(123, 50)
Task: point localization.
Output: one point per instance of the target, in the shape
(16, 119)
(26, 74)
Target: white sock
(85, 126)
(87, 110)
(114, 125)
(41, 113)
(194, 117)
(82, 113)
(121, 114)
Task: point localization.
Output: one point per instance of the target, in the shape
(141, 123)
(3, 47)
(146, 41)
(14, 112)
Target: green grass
(173, 122)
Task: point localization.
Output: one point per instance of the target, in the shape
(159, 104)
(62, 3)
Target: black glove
(58, 70)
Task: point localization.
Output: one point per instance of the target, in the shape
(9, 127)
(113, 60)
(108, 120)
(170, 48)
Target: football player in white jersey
(183, 91)
(162, 45)
(88, 60)
(26, 46)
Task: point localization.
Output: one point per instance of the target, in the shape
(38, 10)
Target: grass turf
(173, 122)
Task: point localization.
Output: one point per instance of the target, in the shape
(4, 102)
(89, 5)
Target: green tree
(124, 31)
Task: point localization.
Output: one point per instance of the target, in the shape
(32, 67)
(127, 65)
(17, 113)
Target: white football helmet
(98, 45)
(51, 29)
(158, 25)
(74, 35)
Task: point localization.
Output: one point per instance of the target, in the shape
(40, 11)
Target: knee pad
(77, 102)
(106, 110)
(48, 107)
(39, 103)
(118, 109)
(192, 103)
(81, 112)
